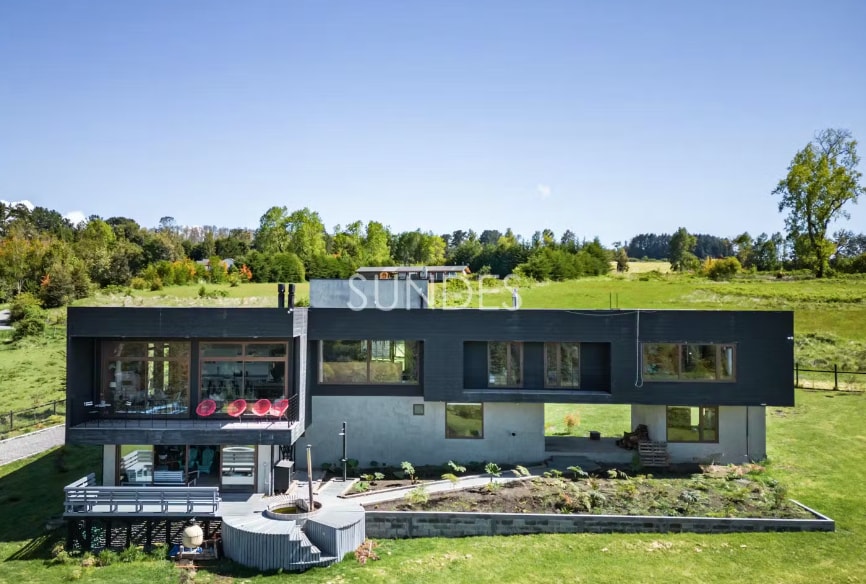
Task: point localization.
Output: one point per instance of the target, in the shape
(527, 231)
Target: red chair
(237, 408)
(262, 407)
(205, 408)
(278, 409)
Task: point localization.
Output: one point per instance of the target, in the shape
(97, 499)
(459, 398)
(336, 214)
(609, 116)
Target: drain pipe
(310, 475)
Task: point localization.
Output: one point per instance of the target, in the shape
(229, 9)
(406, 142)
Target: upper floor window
(146, 377)
(688, 362)
(562, 365)
(369, 362)
(692, 424)
(250, 371)
(505, 364)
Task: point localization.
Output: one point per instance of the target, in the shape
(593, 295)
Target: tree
(680, 252)
(621, 260)
(822, 178)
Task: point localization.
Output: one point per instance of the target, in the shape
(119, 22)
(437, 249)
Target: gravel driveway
(26, 445)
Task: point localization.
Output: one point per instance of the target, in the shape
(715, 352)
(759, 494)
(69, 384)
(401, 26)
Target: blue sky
(606, 118)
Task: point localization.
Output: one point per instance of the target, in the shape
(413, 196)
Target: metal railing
(83, 498)
(835, 379)
(28, 417)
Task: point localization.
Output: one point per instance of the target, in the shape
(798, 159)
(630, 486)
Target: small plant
(493, 470)
(365, 552)
(614, 473)
(105, 558)
(571, 421)
(492, 487)
(520, 471)
(131, 554)
(361, 487)
(456, 468)
(418, 495)
(553, 473)
(451, 477)
(367, 477)
(377, 476)
(577, 472)
(409, 470)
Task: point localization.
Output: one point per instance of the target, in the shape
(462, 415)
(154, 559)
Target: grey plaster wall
(742, 435)
(384, 429)
(360, 294)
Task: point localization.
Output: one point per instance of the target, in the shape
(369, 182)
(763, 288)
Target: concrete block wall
(384, 429)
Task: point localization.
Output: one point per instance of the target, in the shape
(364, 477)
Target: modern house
(159, 388)
(430, 273)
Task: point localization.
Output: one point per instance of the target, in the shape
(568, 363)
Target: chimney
(281, 295)
(291, 296)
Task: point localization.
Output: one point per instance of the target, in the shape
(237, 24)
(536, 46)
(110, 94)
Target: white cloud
(543, 190)
(25, 202)
(75, 217)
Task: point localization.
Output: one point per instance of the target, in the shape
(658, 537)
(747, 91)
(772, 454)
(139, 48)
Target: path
(19, 447)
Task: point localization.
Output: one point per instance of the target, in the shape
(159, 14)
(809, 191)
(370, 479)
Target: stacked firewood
(630, 440)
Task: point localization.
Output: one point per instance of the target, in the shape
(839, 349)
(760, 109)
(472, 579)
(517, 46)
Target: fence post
(796, 374)
(835, 376)
(11, 421)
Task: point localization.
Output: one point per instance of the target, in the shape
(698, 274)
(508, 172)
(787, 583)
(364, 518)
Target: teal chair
(206, 461)
(193, 457)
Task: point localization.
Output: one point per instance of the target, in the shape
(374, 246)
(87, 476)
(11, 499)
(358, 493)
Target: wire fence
(15, 420)
(833, 379)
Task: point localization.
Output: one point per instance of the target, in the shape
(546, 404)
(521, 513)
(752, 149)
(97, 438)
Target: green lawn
(816, 448)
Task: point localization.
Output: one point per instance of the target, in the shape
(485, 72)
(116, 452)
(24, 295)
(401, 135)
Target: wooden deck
(169, 430)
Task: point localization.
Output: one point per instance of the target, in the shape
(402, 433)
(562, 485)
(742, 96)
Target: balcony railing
(83, 497)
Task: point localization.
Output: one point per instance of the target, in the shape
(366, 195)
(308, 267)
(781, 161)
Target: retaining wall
(406, 524)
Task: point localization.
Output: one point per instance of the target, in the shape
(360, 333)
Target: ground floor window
(693, 424)
(204, 465)
(464, 420)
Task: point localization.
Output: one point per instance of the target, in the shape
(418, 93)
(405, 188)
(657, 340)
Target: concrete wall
(384, 429)
(109, 465)
(733, 446)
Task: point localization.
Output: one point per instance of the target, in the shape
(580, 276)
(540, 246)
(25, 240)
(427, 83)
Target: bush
(139, 284)
(32, 326)
(23, 305)
(723, 269)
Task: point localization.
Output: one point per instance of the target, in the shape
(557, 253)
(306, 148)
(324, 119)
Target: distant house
(430, 273)
(229, 262)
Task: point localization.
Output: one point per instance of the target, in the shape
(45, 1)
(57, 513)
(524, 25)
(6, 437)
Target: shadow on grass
(31, 491)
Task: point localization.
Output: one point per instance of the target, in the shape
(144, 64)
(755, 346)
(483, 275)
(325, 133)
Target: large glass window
(504, 364)
(688, 362)
(693, 424)
(249, 371)
(146, 377)
(464, 420)
(562, 365)
(369, 362)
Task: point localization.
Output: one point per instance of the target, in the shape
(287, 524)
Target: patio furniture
(262, 408)
(237, 408)
(206, 460)
(279, 408)
(205, 408)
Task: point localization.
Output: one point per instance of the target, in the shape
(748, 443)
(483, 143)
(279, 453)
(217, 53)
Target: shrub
(418, 495)
(456, 468)
(138, 283)
(23, 305)
(493, 470)
(571, 421)
(408, 469)
(723, 269)
(451, 477)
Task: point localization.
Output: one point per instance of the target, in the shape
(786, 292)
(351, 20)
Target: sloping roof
(410, 269)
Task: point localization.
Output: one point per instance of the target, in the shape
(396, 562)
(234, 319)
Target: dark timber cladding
(453, 352)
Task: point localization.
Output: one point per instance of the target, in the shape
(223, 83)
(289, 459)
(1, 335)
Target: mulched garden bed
(718, 491)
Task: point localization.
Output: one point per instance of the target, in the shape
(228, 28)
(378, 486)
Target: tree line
(43, 254)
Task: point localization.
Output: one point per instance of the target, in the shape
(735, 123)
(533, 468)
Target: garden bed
(736, 491)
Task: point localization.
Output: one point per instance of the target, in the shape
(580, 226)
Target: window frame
(243, 358)
(480, 435)
(508, 367)
(682, 346)
(701, 428)
(108, 393)
(558, 345)
(419, 349)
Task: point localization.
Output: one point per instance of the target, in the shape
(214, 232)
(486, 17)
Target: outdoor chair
(237, 408)
(262, 408)
(205, 408)
(279, 408)
(206, 462)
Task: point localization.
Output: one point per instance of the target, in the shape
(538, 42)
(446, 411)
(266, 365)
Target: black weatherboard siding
(455, 353)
